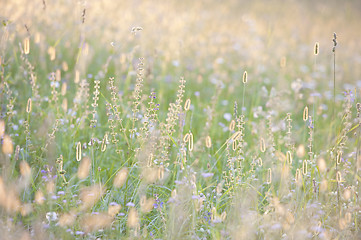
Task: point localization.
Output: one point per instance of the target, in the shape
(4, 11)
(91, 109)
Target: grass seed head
(78, 151)
(2, 128)
(84, 168)
(208, 142)
(187, 104)
(232, 125)
(133, 219)
(67, 219)
(113, 209)
(94, 222)
(262, 145)
(26, 46)
(316, 48)
(244, 77)
(25, 169)
(305, 114)
(146, 205)
(321, 164)
(39, 197)
(120, 178)
(7, 147)
(90, 195)
(28, 106)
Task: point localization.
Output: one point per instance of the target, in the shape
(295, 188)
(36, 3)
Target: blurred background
(208, 42)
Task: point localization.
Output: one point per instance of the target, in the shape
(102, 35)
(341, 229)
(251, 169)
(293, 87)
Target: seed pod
(339, 157)
(262, 145)
(58, 75)
(304, 167)
(289, 157)
(104, 142)
(26, 46)
(232, 125)
(133, 219)
(7, 145)
(186, 138)
(77, 76)
(190, 143)
(2, 128)
(316, 48)
(245, 77)
(28, 106)
(120, 178)
(305, 114)
(236, 135)
(84, 167)
(161, 172)
(338, 177)
(63, 89)
(187, 104)
(78, 151)
(208, 142)
(269, 176)
(234, 145)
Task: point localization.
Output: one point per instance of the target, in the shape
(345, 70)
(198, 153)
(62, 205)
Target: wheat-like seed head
(316, 48)
(305, 114)
(104, 142)
(289, 157)
(63, 89)
(321, 164)
(232, 125)
(187, 104)
(78, 151)
(208, 142)
(339, 157)
(113, 209)
(26, 46)
(28, 106)
(244, 77)
(120, 178)
(262, 145)
(304, 167)
(298, 177)
(190, 142)
(8, 147)
(133, 219)
(161, 172)
(52, 53)
(269, 176)
(236, 135)
(58, 75)
(67, 219)
(84, 168)
(2, 128)
(25, 169)
(338, 177)
(77, 77)
(39, 197)
(186, 137)
(323, 185)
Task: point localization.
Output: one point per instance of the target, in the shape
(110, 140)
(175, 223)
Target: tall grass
(117, 120)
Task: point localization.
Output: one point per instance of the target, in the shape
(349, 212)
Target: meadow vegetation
(180, 119)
